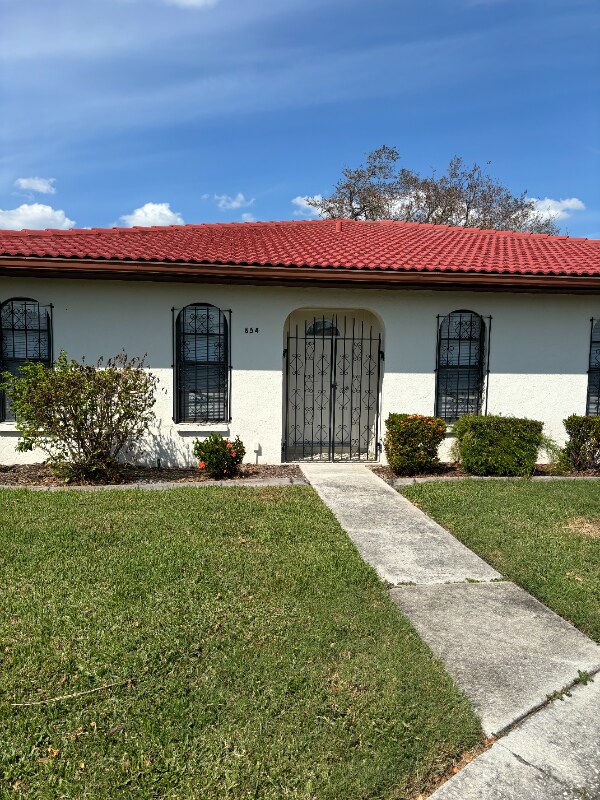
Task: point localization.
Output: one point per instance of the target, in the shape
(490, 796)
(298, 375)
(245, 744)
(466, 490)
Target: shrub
(498, 445)
(220, 457)
(84, 417)
(582, 450)
(412, 441)
(557, 463)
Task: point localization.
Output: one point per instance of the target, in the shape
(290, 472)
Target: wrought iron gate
(332, 385)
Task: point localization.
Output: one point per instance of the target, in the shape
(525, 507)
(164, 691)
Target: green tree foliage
(86, 418)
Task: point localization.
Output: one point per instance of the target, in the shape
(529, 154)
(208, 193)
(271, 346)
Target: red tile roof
(347, 244)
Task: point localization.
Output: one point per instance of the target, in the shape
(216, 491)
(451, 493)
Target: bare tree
(466, 196)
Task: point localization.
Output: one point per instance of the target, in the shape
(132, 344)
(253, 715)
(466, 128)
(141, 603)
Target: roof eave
(293, 275)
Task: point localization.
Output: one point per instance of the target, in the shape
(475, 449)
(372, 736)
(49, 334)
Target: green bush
(498, 445)
(85, 417)
(557, 462)
(412, 441)
(219, 457)
(582, 451)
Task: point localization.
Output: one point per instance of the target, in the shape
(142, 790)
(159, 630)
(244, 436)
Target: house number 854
(251, 330)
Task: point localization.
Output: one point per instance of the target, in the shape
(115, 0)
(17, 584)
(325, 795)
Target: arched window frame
(202, 364)
(462, 364)
(592, 407)
(21, 341)
(322, 326)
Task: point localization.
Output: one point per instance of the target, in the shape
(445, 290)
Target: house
(302, 336)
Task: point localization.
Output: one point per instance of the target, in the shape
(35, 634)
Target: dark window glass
(322, 327)
(460, 365)
(593, 393)
(202, 364)
(24, 336)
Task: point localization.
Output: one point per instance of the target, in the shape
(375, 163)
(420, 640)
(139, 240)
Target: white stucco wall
(538, 353)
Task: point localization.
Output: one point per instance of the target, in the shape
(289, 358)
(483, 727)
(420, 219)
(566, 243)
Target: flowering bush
(219, 457)
(412, 441)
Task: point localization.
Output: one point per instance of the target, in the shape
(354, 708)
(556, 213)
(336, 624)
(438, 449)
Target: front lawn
(545, 536)
(254, 654)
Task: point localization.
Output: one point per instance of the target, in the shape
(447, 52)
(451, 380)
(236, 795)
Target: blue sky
(160, 111)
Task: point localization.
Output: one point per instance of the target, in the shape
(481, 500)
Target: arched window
(593, 392)
(25, 335)
(322, 327)
(460, 367)
(202, 369)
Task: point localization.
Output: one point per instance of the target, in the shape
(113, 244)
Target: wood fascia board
(282, 275)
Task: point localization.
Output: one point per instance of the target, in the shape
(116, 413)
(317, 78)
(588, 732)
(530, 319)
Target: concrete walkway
(552, 755)
(506, 651)
(403, 544)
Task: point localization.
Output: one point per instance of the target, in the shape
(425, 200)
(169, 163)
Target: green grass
(543, 536)
(266, 659)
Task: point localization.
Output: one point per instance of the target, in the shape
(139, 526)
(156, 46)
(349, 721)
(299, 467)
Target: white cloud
(303, 209)
(548, 208)
(152, 214)
(226, 203)
(36, 216)
(35, 184)
(246, 217)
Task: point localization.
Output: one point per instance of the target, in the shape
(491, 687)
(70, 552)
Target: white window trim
(184, 427)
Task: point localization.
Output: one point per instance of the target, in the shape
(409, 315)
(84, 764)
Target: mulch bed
(41, 475)
(441, 471)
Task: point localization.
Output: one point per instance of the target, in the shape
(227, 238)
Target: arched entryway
(333, 366)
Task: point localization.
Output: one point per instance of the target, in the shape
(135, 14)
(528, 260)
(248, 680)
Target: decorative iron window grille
(202, 361)
(25, 335)
(593, 390)
(462, 365)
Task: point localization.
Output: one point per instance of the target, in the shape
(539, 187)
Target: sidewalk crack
(524, 761)
(555, 697)
(578, 791)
